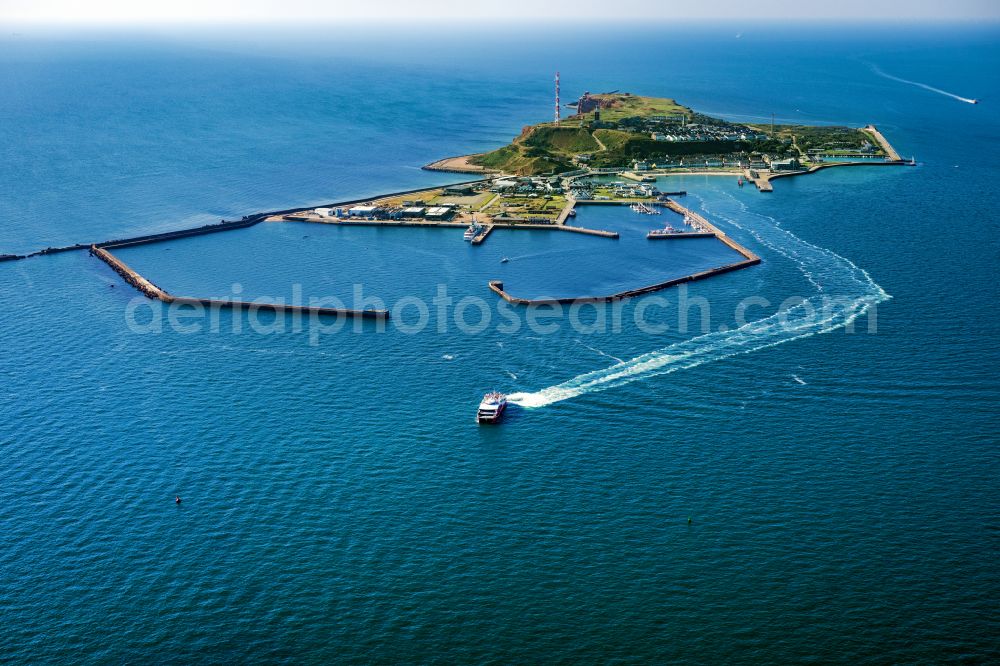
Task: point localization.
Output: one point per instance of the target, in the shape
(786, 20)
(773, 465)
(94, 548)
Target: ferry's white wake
(844, 293)
(922, 85)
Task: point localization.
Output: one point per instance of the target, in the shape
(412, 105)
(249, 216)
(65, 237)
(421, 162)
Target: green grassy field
(547, 148)
(550, 148)
(521, 206)
(629, 106)
(834, 137)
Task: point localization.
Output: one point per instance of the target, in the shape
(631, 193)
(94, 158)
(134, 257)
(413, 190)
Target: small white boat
(491, 408)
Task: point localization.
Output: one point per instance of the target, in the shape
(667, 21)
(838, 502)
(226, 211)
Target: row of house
(754, 162)
(680, 137)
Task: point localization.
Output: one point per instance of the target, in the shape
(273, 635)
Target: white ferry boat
(473, 229)
(491, 408)
(665, 231)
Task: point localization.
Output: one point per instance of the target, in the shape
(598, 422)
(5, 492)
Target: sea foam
(844, 292)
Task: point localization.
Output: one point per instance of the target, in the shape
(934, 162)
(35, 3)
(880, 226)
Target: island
(613, 151)
(630, 134)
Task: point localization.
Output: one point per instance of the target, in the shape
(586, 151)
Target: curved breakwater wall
(497, 287)
(150, 290)
(749, 259)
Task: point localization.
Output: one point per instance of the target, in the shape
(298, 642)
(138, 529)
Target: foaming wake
(924, 86)
(844, 293)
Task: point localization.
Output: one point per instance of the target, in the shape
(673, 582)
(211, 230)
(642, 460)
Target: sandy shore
(458, 164)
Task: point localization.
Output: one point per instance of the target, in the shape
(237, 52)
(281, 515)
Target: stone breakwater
(150, 290)
(749, 259)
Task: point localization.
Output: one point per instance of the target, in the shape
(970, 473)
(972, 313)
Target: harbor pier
(890, 152)
(680, 235)
(749, 259)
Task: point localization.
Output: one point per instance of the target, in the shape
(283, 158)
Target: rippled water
(755, 494)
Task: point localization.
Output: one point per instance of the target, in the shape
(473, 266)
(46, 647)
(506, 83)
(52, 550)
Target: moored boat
(491, 408)
(665, 231)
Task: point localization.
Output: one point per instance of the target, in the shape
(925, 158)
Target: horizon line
(319, 22)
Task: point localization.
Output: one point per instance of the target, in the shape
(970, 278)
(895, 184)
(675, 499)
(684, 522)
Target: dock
(644, 208)
(761, 180)
(495, 223)
(481, 234)
(638, 177)
(564, 214)
(890, 152)
(721, 235)
(680, 235)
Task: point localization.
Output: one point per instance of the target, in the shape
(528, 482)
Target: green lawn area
(613, 139)
(426, 196)
(527, 207)
(823, 137)
(628, 106)
(608, 191)
(483, 200)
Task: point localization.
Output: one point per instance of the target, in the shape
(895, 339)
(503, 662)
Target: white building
(438, 212)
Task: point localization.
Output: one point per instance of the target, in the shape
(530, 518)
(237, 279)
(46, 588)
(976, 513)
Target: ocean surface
(808, 476)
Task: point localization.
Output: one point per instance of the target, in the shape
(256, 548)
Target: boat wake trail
(922, 85)
(844, 292)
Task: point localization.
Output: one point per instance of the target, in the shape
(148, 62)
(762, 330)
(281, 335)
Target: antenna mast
(557, 98)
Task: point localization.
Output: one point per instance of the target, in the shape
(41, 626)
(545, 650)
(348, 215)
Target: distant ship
(491, 408)
(504, 260)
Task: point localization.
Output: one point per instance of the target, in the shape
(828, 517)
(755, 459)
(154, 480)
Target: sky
(104, 12)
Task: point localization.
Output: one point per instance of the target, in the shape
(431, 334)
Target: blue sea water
(754, 494)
